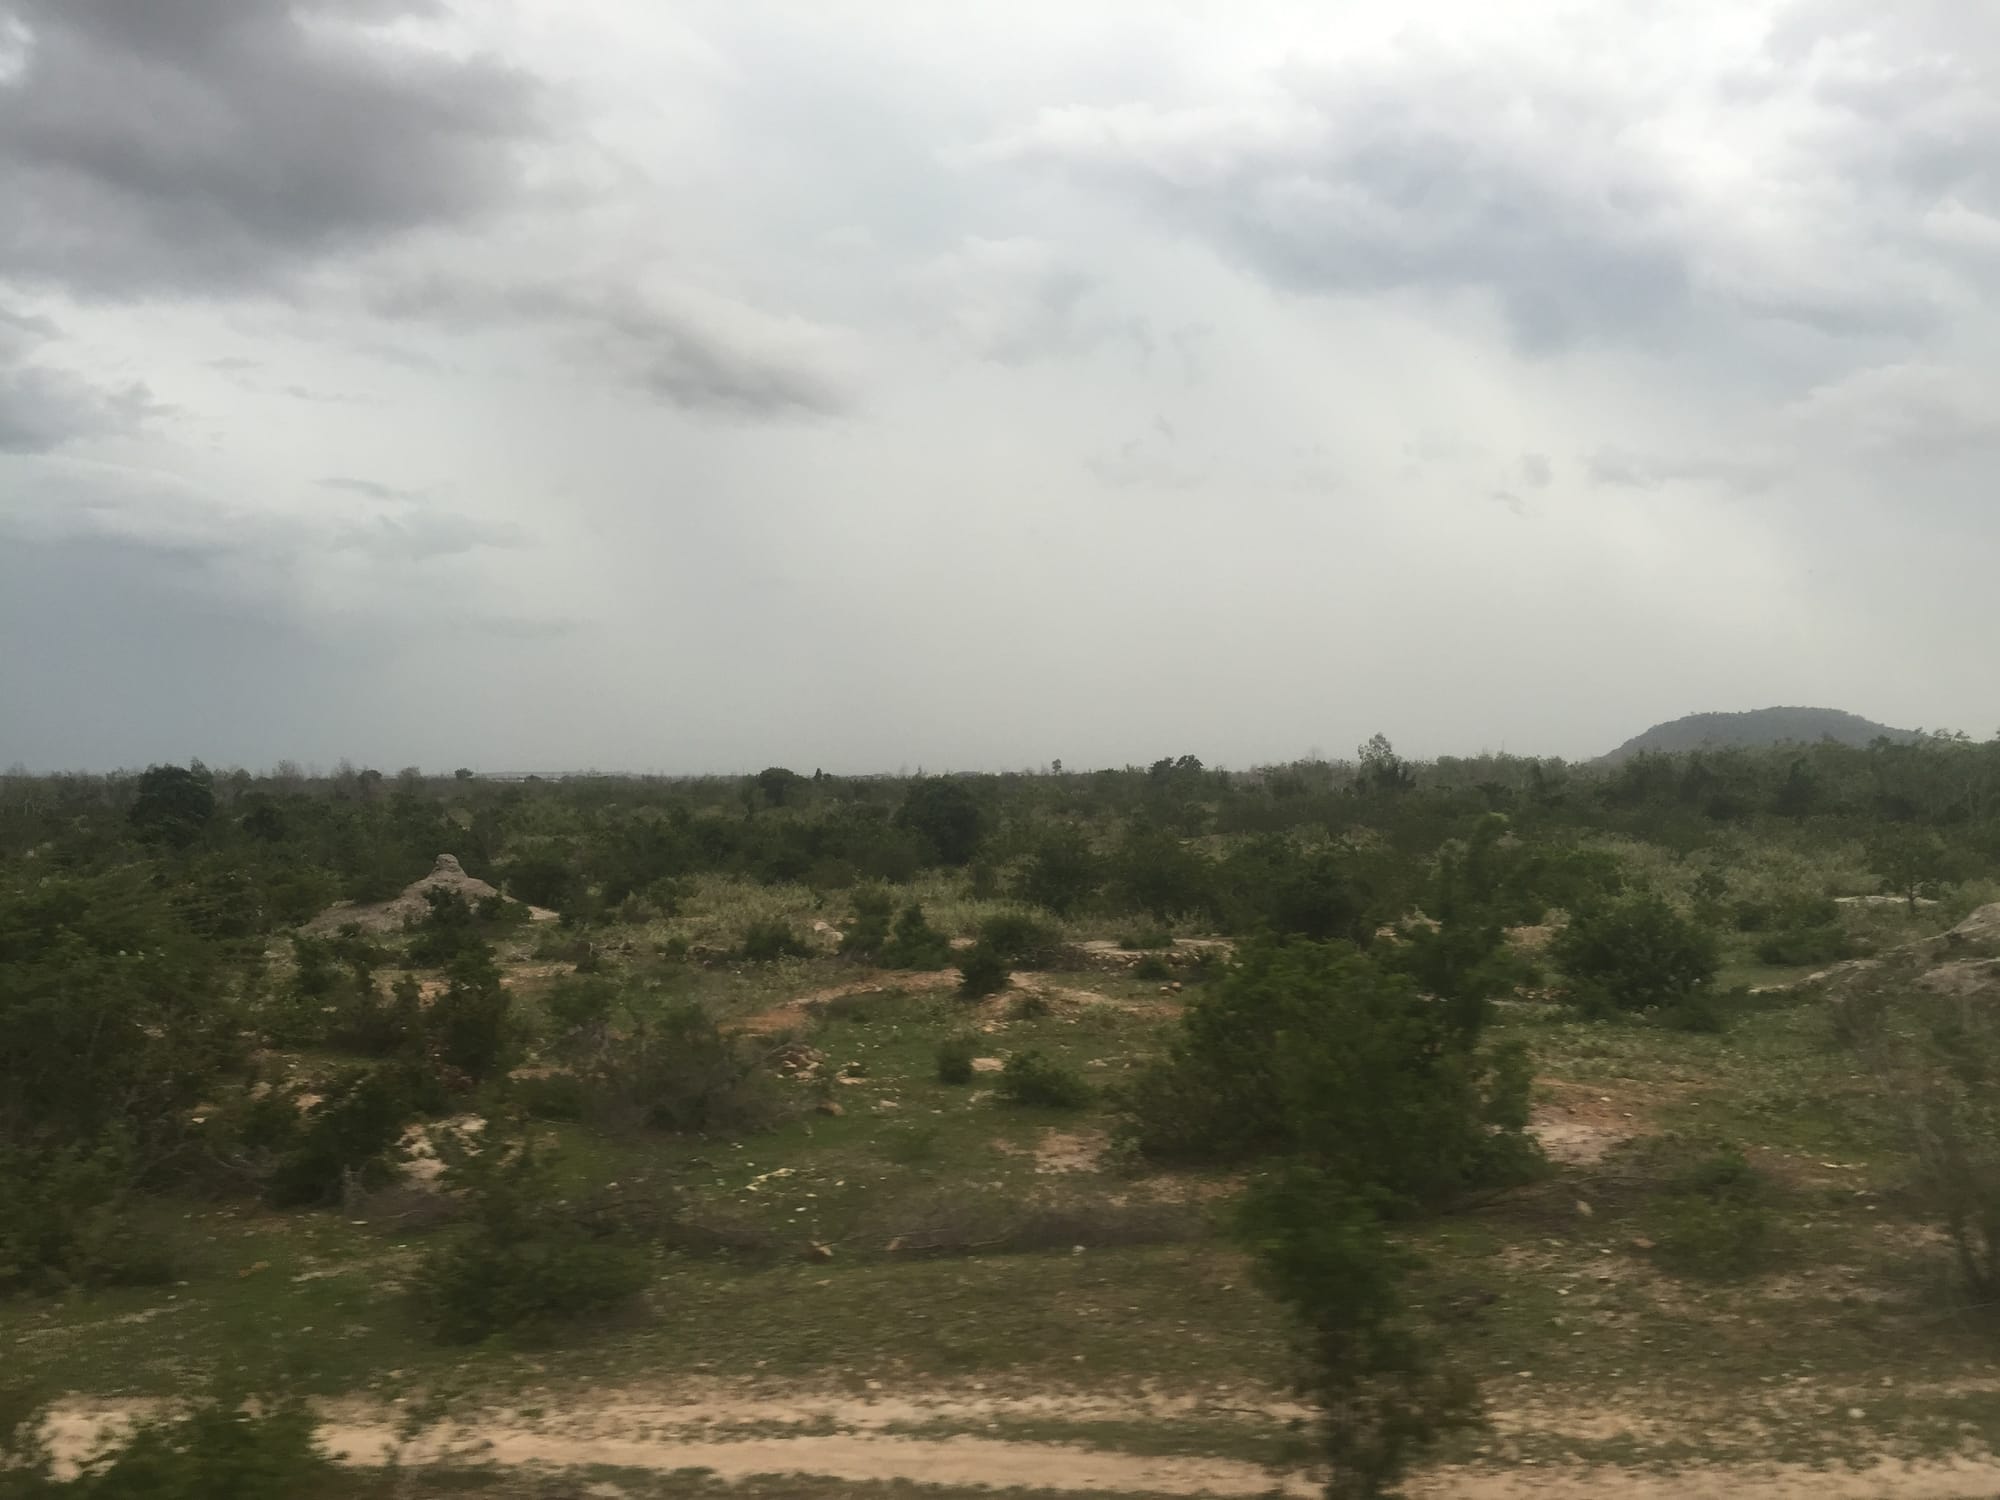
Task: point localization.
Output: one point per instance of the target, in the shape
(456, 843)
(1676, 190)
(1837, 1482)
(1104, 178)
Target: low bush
(982, 971)
(1713, 1221)
(1023, 939)
(769, 938)
(1634, 953)
(673, 1068)
(1315, 1047)
(1806, 945)
(350, 1135)
(954, 1059)
(868, 931)
(1036, 1080)
(915, 944)
(447, 928)
(66, 1220)
(528, 1262)
(1152, 966)
(1149, 938)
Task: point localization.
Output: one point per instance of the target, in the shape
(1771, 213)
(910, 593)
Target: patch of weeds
(1147, 938)
(1152, 966)
(1714, 1221)
(911, 1145)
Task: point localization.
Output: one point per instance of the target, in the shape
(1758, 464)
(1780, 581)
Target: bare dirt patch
(1578, 1126)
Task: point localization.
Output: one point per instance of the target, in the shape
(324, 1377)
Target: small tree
(865, 935)
(1063, 872)
(1910, 862)
(174, 805)
(982, 971)
(944, 812)
(471, 1023)
(1383, 1394)
(915, 944)
(776, 783)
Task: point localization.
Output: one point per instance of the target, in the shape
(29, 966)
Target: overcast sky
(873, 384)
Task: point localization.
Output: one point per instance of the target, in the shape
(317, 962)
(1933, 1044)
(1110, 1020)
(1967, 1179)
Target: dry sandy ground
(854, 1438)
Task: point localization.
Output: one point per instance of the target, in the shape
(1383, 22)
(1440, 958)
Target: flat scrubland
(878, 1283)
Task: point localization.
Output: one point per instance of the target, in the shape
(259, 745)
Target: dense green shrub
(1023, 939)
(67, 1220)
(1635, 953)
(944, 812)
(1034, 1079)
(1273, 884)
(470, 1023)
(915, 944)
(448, 927)
(350, 1135)
(1062, 871)
(769, 938)
(1806, 945)
(982, 971)
(1158, 873)
(1147, 938)
(954, 1059)
(1317, 1048)
(115, 1018)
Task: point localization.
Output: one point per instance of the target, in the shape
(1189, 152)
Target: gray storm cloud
(861, 386)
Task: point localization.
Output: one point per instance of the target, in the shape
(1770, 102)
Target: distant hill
(1757, 728)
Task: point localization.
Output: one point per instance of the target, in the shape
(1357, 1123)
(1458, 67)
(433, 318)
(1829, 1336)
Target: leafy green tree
(1316, 1048)
(1461, 954)
(1161, 875)
(946, 814)
(114, 1016)
(1910, 861)
(1382, 769)
(1383, 1393)
(542, 877)
(351, 1134)
(471, 1021)
(866, 934)
(174, 804)
(1063, 872)
(777, 784)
